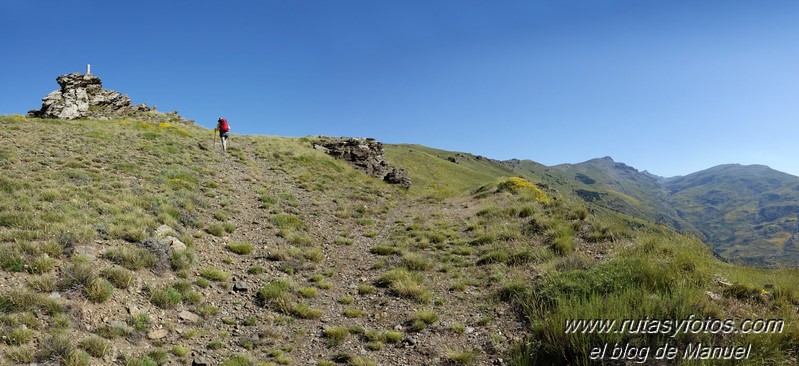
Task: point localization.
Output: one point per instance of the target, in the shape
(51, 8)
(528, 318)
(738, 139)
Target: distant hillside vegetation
(747, 213)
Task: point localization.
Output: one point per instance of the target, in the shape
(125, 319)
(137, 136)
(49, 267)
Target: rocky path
(344, 267)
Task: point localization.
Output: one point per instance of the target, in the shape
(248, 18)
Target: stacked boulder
(83, 96)
(366, 155)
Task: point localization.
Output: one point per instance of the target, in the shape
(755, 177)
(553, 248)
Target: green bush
(240, 248)
(99, 290)
(215, 274)
(182, 259)
(335, 335)
(131, 258)
(166, 297)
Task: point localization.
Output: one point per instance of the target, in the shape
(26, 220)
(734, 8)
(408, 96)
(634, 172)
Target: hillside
(293, 257)
(747, 212)
(615, 186)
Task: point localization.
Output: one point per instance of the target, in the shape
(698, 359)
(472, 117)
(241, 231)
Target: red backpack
(223, 126)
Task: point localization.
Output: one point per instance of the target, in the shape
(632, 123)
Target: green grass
(405, 284)
(180, 351)
(550, 261)
(276, 295)
(120, 277)
(95, 346)
(346, 299)
(353, 313)
(435, 177)
(460, 357)
(131, 258)
(335, 335)
(240, 248)
(304, 311)
(18, 336)
(364, 289)
(308, 292)
(182, 260)
(99, 290)
(215, 274)
(165, 297)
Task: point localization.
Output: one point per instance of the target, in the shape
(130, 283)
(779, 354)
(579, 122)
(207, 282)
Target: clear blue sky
(668, 86)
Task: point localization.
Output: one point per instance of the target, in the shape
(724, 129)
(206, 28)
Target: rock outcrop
(83, 96)
(366, 155)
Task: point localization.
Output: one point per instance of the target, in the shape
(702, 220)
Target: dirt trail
(345, 267)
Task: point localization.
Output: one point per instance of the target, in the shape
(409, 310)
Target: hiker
(223, 128)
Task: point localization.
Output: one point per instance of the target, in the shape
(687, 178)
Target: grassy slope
(750, 211)
(610, 185)
(435, 176)
(611, 266)
(748, 214)
(329, 244)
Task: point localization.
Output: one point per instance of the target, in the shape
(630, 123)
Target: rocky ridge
(82, 96)
(366, 155)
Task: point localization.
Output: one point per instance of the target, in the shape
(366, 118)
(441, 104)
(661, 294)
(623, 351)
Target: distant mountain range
(746, 213)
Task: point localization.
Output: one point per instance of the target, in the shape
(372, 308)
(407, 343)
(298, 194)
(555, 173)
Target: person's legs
(223, 136)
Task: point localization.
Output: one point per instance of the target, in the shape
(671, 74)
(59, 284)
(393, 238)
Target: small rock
(469, 330)
(713, 296)
(86, 250)
(189, 316)
(158, 334)
(200, 361)
(174, 243)
(240, 286)
(162, 231)
(133, 309)
(398, 328)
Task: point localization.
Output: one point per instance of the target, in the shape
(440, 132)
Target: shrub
(216, 229)
(237, 360)
(56, 345)
(99, 290)
(139, 322)
(95, 346)
(335, 335)
(43, 283)
(286, 221)
(405, 284)
(207, 310)
(21, 355)
(131, 258)
(304, 311)
(460, 357)
(353, 313)
(182, 259)
(180, 351)
(77, 274)
(240, 248)
(414, 262)
(392, 336)
(165, 297)
(77, 357)
(18, 336)
(364, 289)
(120, 277)
(41, 264)
(308, 291)
(215, 274)
(519, 185)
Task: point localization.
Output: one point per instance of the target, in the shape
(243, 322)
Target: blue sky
(671, 87)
